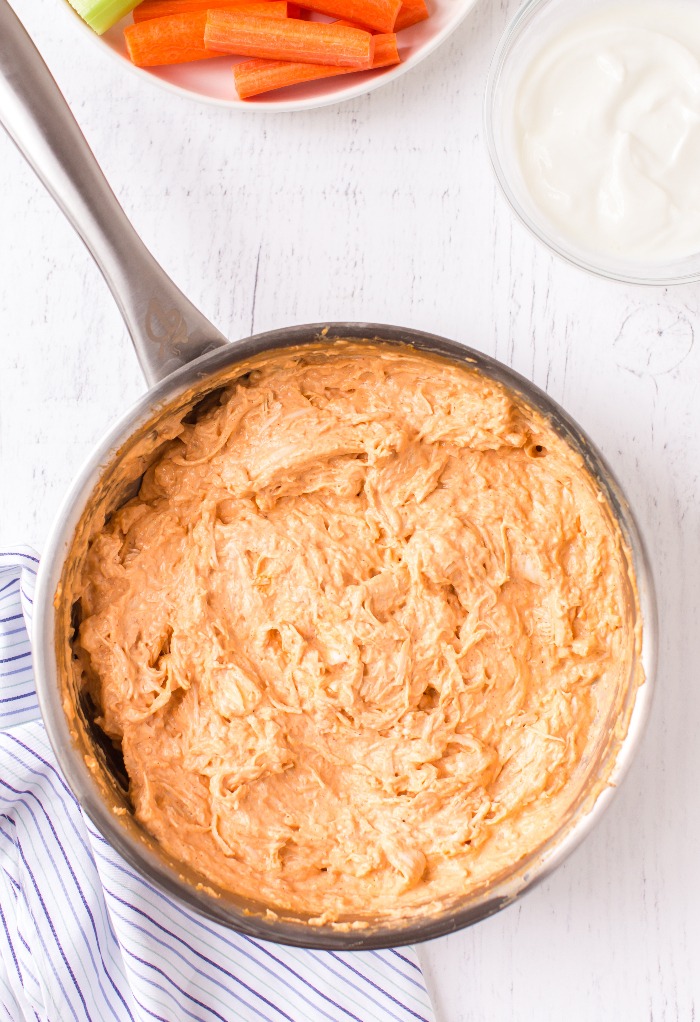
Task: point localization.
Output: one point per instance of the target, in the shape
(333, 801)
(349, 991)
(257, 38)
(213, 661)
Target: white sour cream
(608, 130)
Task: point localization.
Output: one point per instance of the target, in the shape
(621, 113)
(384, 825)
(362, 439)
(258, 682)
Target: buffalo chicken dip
(357, 634)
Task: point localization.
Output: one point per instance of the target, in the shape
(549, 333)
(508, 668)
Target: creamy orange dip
(357, 634)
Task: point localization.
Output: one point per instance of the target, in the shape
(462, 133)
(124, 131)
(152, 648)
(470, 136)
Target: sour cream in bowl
(593, 126)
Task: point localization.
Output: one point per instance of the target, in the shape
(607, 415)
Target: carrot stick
(307, 41)
(180, 38)
(173, 40)
(379, 15)
(253, 77)
(264, 8)
(385, 46)
(150, 9)
(385, 50)
(411, 12)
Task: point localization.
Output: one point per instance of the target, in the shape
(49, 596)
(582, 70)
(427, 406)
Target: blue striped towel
(83, 937)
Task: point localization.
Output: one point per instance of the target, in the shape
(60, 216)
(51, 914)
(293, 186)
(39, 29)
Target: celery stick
(102, 14)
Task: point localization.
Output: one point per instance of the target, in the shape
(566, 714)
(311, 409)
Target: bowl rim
(654, 275)
(530, 870)
(351, 91)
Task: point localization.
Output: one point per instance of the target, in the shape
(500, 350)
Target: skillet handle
(166, 329)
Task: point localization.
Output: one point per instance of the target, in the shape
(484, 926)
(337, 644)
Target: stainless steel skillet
(185, 359)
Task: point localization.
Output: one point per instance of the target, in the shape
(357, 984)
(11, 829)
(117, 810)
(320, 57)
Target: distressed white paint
(385, 209)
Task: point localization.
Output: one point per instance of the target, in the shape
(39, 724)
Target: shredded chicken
(356, 633)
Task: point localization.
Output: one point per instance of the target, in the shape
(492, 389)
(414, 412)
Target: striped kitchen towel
(83, 937)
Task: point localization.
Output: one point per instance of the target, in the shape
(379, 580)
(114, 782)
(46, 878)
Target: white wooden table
(386, 209)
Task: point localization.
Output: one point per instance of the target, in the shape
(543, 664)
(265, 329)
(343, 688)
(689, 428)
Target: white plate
(212, 80)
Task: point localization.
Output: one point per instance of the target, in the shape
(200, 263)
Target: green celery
(102, 14)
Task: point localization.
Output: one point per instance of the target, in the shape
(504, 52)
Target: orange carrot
(382, 39)
(253, 77)
(385, 50)
(264, 8)
(180, 38)
(411, 12)
(309, 41)
(379, 15)
(173, 40)
(150, 9)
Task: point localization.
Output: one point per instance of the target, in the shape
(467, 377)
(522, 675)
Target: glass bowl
(536, 24)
